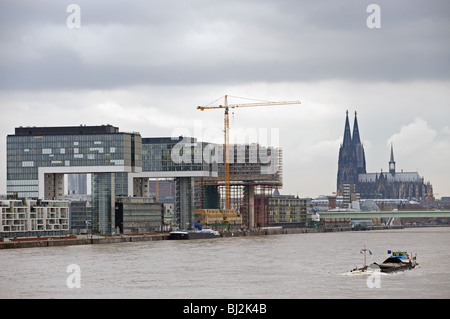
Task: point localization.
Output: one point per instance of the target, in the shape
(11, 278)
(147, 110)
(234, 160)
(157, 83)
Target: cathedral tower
(353, 181)
(359, 149)
(392, 162)
(351, 157)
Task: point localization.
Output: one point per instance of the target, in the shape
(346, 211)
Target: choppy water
(280, 266)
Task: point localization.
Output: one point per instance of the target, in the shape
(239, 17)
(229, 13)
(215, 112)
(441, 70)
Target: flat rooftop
(65, 130)
(167, 140)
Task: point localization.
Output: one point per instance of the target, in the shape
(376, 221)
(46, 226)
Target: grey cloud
(196, 42)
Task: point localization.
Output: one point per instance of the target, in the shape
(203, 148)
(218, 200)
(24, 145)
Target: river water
(313, 265)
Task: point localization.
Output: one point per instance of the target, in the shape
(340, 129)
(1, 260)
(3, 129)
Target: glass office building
(168, 154)
(120, 164)
(183, 159)
(35, 151)
(38, 158)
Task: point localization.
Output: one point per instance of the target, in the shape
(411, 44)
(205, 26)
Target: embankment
(78, 241)
(74, 240)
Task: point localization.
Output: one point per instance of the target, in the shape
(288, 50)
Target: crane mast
(226, 131)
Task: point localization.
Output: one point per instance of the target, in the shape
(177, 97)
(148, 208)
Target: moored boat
(194, 234)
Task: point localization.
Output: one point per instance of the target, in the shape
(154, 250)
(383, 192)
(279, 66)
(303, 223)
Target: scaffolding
(255, 173)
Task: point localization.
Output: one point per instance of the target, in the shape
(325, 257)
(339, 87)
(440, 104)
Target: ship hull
(394, 264)
(388, 269)
(188, 235)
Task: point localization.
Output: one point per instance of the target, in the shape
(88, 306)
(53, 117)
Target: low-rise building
(288, 210)
(29, 217)
(137, 215)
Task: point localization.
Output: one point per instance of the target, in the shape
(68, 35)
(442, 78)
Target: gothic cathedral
(352, 176)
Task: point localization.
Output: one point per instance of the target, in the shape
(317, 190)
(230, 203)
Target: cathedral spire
(355, 135)
(347, 135)
(392, 152)
(391, 161)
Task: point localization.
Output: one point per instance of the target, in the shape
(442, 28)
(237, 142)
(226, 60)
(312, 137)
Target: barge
(194, 234)
(398, 260)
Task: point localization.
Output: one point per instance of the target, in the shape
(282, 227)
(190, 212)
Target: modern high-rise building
(38, 158)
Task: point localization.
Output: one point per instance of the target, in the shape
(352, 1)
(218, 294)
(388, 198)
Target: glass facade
(184, 202)
(184, 155)
(80, 212)
(38, 158)
(103, 203)
(174, 155)
(26, 153)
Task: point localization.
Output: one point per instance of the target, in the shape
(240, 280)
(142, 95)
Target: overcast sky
(145, 66)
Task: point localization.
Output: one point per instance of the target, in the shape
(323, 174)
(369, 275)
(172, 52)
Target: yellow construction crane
(226, 130)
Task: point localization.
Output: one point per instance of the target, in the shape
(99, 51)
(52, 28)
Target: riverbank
(84, 240)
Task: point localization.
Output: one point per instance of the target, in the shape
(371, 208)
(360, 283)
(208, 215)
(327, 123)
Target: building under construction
(255, 172)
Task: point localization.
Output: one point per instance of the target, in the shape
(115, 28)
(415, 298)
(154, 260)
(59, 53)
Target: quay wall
(137, 238)
(279, 231)
(79, 241)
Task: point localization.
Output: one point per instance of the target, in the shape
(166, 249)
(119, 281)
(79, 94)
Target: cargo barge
(397, 261)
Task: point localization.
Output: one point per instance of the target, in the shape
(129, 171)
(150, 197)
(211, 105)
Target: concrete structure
(29, 217)
(349, 195)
